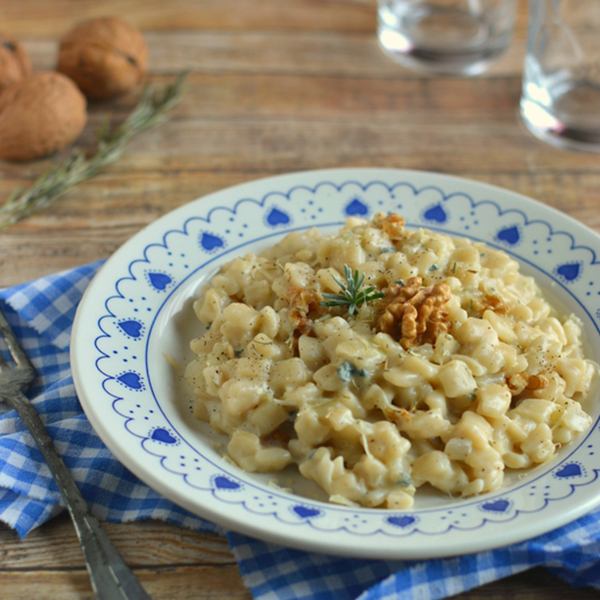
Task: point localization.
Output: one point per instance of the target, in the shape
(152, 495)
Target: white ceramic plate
(136, 320)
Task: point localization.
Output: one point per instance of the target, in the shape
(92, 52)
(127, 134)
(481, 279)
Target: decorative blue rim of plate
(209, 233)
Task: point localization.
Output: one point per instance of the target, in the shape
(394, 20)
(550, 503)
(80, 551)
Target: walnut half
(414, 314)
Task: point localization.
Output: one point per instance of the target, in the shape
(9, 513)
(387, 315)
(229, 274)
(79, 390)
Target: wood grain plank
(228, 95)
(183, 583)
(155, 544)
(300, 53)
(420, 141)
(52, 18)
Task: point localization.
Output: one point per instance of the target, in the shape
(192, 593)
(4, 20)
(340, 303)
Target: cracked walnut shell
(14, 62)
(39, 116)
(106, 57)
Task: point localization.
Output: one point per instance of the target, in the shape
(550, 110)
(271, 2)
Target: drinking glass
(453, 37)
(560, 101)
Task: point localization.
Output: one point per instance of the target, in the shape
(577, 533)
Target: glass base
(449, 41)
(556, 130)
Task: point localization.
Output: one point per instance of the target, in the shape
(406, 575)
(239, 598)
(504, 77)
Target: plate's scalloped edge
(320, 507)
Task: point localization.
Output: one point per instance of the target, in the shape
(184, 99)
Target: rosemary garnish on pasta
(352, 296)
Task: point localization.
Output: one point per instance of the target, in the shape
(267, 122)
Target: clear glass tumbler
(560, 102)
(453, 37)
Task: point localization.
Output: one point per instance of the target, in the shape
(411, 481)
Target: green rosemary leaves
(351, 294)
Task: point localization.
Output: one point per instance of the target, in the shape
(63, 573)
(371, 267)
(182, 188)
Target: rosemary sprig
(352, 296)
(150, 111)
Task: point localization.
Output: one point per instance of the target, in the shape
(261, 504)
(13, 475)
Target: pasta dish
(380, 360)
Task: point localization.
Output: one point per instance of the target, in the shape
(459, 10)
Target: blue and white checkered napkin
(42, 312)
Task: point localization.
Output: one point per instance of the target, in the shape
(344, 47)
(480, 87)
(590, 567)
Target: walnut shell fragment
(302, 301)
(392, 225)
(14, 62)
(520, 382)
(39, 116)
(106, 57)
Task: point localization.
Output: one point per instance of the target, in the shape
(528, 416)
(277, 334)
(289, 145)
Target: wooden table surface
(276, 86)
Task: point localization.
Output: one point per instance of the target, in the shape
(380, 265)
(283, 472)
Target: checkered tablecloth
(41, 313)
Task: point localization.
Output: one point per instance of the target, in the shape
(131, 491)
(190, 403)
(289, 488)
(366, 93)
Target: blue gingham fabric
(41, 313)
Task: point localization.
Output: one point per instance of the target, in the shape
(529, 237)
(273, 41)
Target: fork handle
(111, 577)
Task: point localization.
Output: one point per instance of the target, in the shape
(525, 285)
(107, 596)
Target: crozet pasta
(380, 360)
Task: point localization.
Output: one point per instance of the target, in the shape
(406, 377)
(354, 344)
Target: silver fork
(111, 577)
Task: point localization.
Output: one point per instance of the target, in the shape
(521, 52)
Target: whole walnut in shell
(14, 62)
(40, 115)
(106, 57)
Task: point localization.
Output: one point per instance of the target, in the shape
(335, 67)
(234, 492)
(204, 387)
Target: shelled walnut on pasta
(444, 365)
